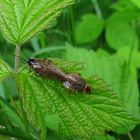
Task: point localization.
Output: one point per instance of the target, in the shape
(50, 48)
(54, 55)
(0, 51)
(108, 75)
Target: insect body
(45, 68)
(75, 82)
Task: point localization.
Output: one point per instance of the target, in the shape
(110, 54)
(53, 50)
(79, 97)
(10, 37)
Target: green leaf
(20, 20)
(69, 66)
(4, 137)
(10, 114)
(125, 16)
(123, 82)
(5, 70)
(89, 28)
(52, 121)
(81, 115)
(124, 54)
(104, 138)
(120, 31)
(124, 5)
(136, 2)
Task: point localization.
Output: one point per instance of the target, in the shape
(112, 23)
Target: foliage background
(105, 36)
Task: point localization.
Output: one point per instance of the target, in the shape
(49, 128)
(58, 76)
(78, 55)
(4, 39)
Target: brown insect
(76, 83)
(45, 68)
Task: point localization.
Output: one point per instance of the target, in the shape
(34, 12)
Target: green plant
(40, 100)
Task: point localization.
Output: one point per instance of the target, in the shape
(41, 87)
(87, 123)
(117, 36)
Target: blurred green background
(105, 35)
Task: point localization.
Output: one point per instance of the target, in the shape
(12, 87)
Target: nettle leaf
(5, 70)
(69, 66)
(81, 115)
(52, 121)
(20, 20)
(123, 80)
(89, 28)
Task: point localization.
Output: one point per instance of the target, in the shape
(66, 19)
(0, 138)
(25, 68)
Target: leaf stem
(130, 136)
(16, 68)
(17, 58)
(97, 8)
(131, 51)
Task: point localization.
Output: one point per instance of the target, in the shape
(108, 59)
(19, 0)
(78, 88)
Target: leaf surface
(124, 54)
(124, 5)
(136, 2)
(121, 31)
(123, 80)
(20, 20)
(89, 28)
(81, 115)
(5, 70)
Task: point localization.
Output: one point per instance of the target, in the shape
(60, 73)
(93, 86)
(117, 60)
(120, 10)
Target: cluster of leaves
(76, 114)
(21, 20)
(44, 103)
(120, 27)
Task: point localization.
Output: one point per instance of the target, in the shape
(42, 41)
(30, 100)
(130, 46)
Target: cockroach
(46, 69)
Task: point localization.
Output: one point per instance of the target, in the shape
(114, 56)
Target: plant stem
(97, 8)
(16, 68)
(17, 58)
(130, 136)
(131, 51)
